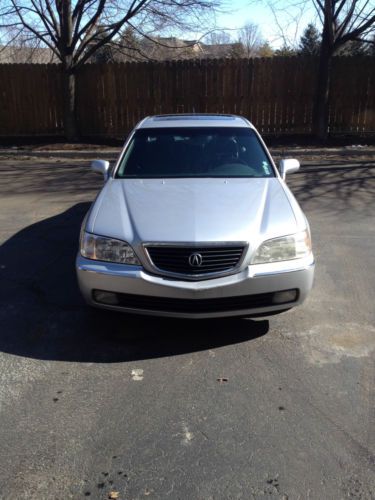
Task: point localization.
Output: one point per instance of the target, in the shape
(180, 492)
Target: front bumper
(246, 293)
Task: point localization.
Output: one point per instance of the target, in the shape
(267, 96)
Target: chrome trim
(196, 277)
(284, 271)
(88, 268)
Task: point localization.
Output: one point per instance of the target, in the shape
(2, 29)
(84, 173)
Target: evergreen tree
(285, 51)
(310, 41)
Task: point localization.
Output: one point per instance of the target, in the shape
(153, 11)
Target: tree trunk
(69, 103)
(322, 98)
(69, 72)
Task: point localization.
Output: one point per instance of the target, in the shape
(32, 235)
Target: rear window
(195, 152)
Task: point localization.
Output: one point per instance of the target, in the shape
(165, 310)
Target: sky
(293, 20)
(285, 24)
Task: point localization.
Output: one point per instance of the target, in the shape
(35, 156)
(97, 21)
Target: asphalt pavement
(106, 405)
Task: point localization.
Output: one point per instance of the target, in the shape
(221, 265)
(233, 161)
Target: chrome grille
(195, 260)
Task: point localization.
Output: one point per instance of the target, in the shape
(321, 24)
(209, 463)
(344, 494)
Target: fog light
(285, 296)
(109, 298)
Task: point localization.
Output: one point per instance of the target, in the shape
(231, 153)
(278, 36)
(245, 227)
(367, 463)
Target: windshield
(195, 152)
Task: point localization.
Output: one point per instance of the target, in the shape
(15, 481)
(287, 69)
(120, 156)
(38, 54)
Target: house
(11, 54)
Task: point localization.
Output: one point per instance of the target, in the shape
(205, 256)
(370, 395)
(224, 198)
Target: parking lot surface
(92, 405)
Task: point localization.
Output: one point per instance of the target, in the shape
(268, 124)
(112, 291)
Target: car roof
(194, 120)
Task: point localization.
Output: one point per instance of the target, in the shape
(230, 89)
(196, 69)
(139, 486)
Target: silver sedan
(195, 221)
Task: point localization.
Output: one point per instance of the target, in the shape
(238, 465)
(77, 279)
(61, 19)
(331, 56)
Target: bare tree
(74, 30)
(27, 49)
(343, 21)
(251, 39)
(287, 19)
(219, 43)
(218, 37)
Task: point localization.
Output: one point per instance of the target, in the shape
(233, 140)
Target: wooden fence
(276, 94)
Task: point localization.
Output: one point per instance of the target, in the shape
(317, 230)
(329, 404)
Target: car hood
(193, 210)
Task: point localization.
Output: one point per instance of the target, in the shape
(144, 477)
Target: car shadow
(43, 316)
(334, 190)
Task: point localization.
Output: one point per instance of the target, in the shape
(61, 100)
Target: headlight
(294, 246)
(107, 249)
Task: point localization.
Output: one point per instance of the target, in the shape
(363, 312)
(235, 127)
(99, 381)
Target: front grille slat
(214, 259)
(166, 260)
(209, 255)
(176, 251)
(188, 270)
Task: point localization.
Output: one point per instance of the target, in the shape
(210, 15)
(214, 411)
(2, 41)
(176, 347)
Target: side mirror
(100, 167)
(288, 166)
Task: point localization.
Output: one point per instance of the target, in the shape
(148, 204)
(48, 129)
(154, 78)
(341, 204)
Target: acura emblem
(195, 260)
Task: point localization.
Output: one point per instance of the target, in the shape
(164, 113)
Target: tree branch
(358, 31)
(38, 34)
